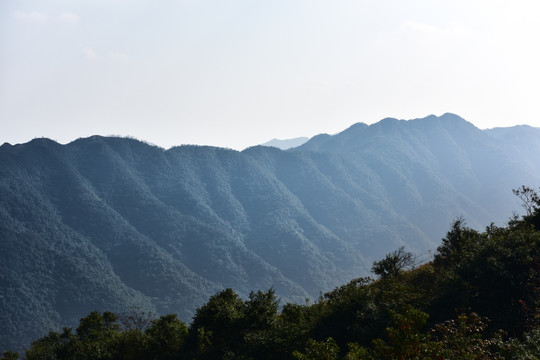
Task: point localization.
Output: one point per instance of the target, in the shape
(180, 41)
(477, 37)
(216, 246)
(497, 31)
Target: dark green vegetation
(109, 224)
(479, 298)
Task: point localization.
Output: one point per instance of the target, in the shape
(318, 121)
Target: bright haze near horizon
(239, 73)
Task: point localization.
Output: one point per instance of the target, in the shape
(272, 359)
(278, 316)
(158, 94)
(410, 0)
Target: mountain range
(106, 223)
(287, 143)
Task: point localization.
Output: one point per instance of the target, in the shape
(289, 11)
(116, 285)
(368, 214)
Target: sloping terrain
(112, 223)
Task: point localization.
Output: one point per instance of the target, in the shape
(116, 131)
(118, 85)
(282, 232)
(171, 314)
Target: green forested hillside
(109, 224)
(478, 298)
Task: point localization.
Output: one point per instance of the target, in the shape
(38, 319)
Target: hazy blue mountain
(287, 143)
(523, 140)
(108, 223)
(434, 160)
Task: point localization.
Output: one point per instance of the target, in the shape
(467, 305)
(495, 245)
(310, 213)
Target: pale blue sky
(237, 73)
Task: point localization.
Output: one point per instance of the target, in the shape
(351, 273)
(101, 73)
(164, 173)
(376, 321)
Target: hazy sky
(236, 73)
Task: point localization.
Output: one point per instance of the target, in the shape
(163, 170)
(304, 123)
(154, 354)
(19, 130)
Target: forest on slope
(479, 298)
(110, 224)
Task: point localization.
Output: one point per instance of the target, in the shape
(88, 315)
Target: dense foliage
(107, 223)
(479, 298)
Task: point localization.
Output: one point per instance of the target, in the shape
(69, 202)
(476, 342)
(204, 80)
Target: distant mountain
(112, 223)
(524, 142)
(286, 144)
(425, 162)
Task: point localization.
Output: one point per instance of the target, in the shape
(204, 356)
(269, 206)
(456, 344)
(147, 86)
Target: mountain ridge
(285, 144)
(116, 222)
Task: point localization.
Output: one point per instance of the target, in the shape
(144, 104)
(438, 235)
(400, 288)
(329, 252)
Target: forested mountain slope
(442, 160)
(109, 223)
(477, 299)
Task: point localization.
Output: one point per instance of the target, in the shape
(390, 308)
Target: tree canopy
(479, 298)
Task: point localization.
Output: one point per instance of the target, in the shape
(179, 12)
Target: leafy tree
(131, 344)
(96, 325)
(489, 271)
(216, 328)
(319, 350)
(405, 341)
(349, 312)
(464, 338)
(97, 334)
(459, 241)
(292, 329)
(54, 345)
(357, 352)
(261, 310)
(259, 325)
(528, 349)
(166, 337)
(10, 355)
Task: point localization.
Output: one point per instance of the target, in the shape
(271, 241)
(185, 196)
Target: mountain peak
(451, 115)
(43, 141)
(356, 126)
(351, 138)
(286, 143)
(446, 118)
